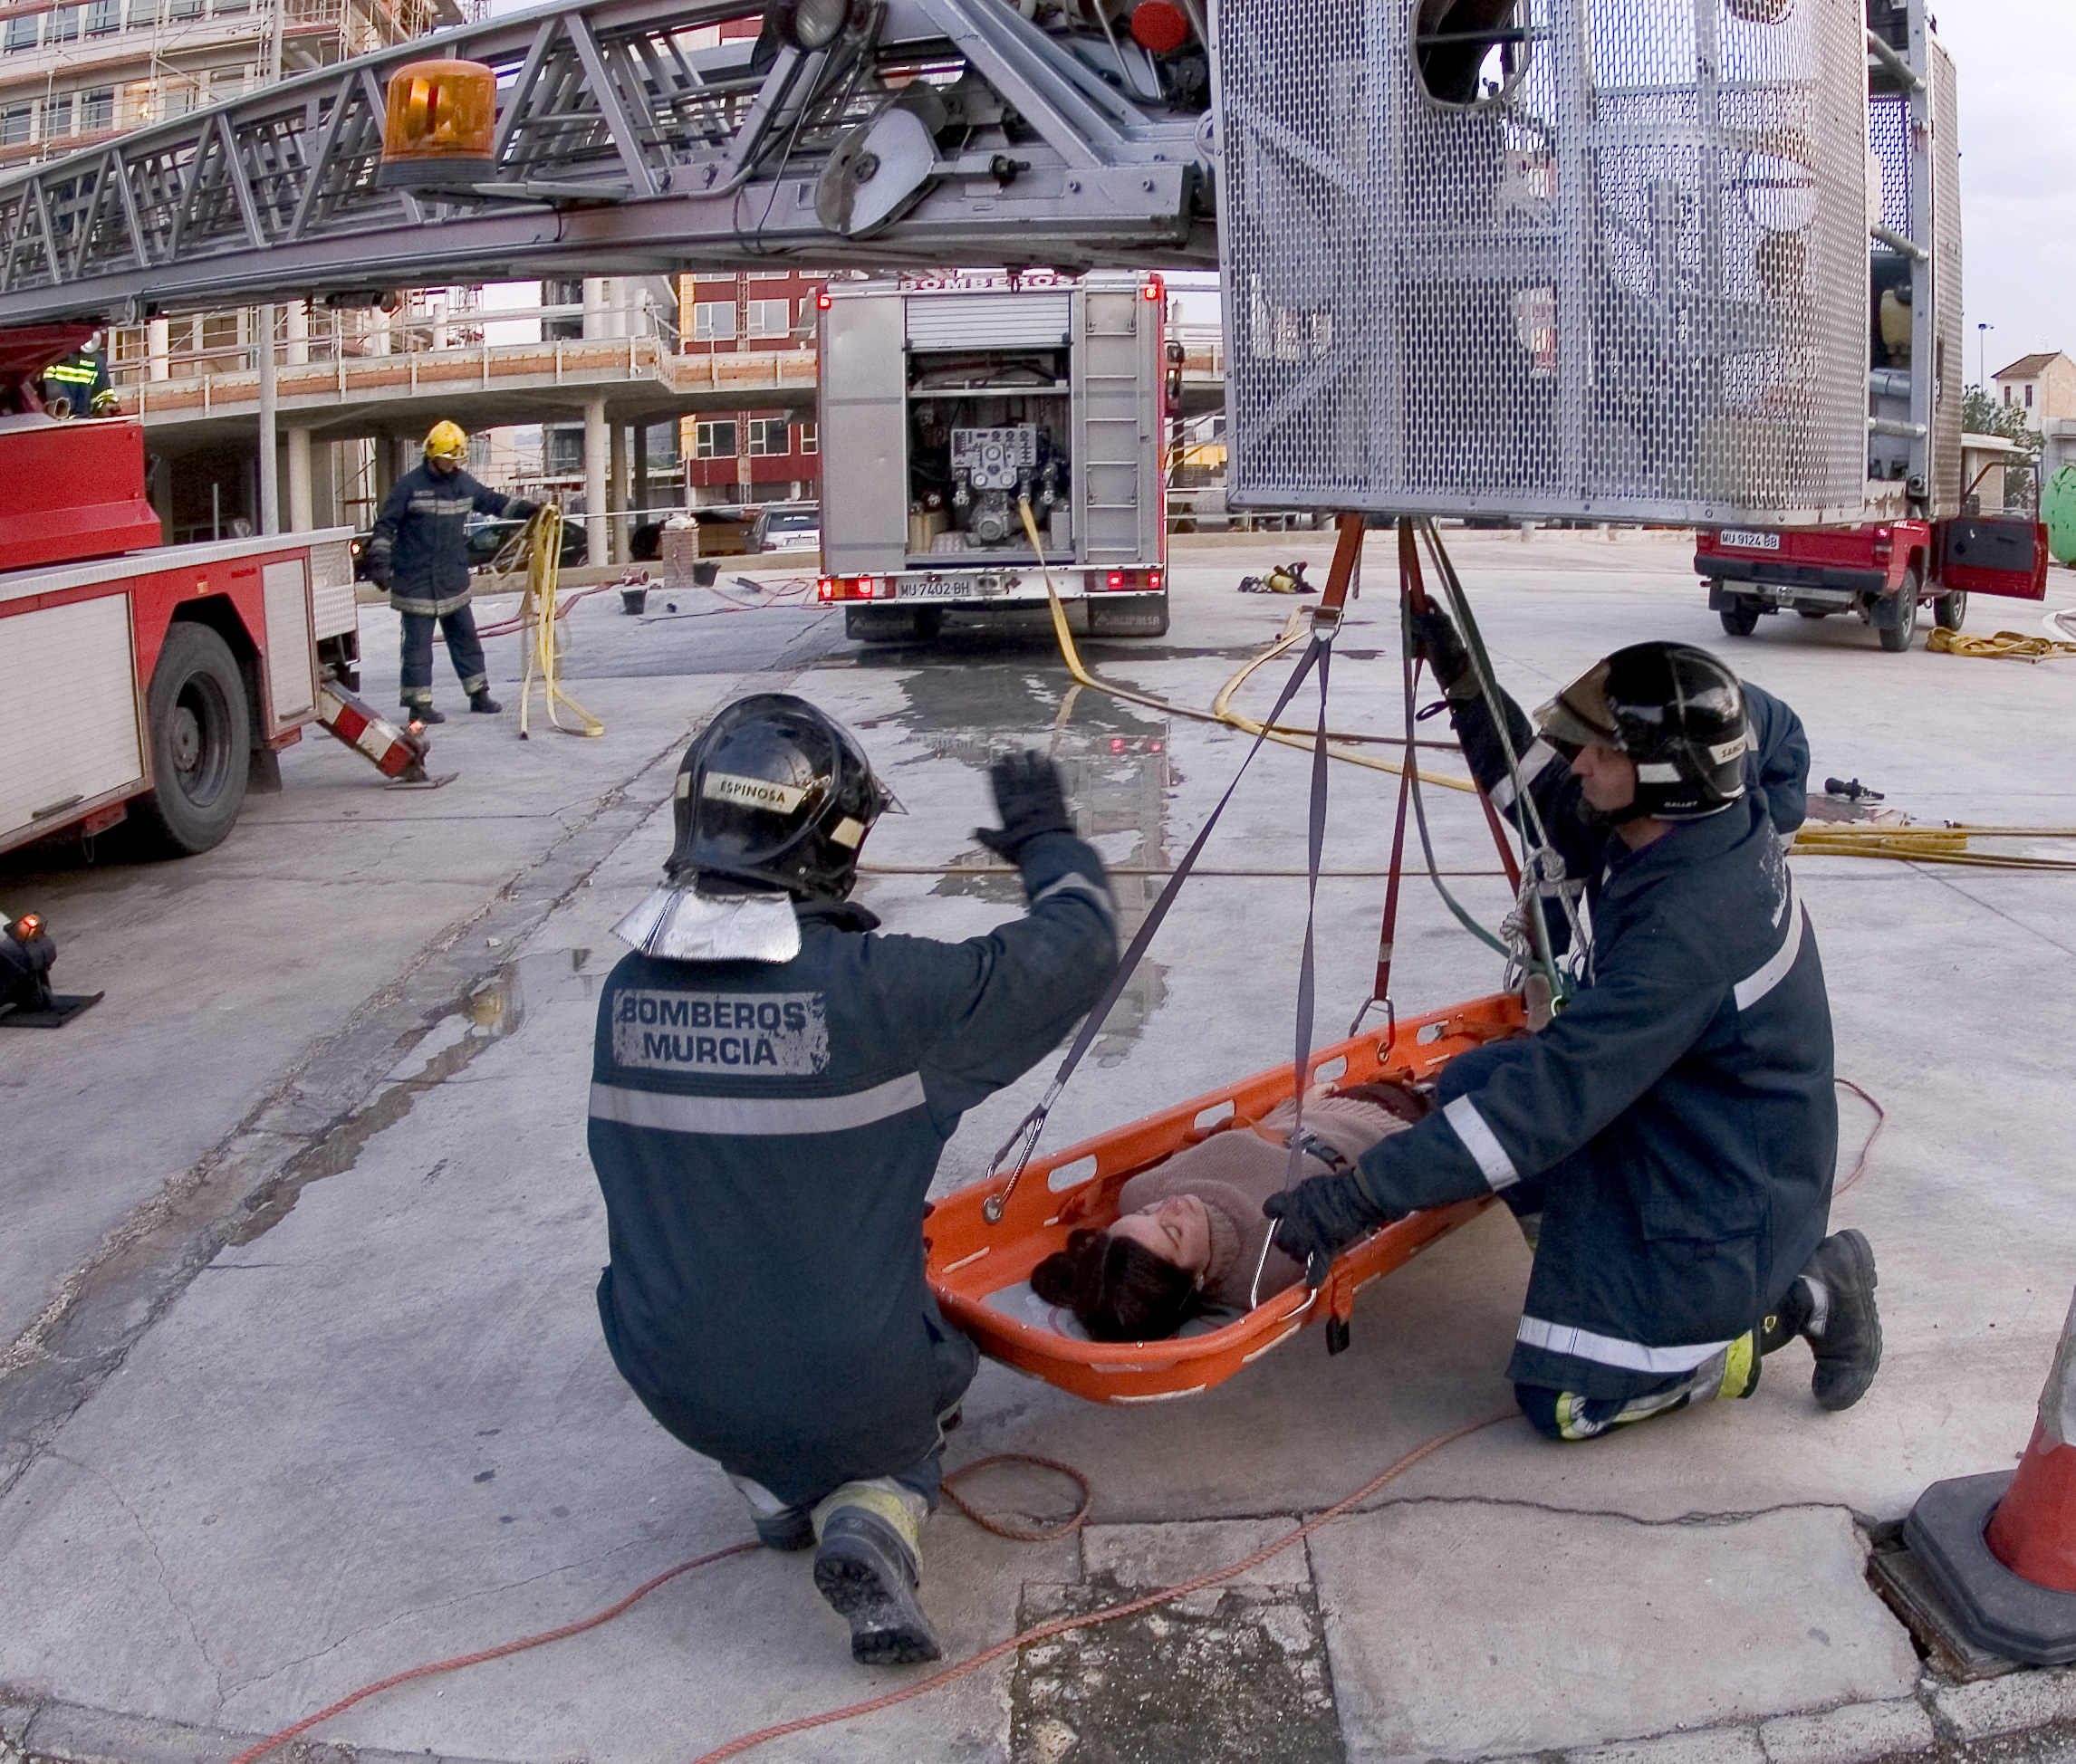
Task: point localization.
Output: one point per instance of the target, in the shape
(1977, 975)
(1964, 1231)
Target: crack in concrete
(158, 1561)
(1926, 870)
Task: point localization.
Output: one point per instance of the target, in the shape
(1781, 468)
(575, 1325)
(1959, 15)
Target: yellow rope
(2006, 646)
(537, 622)
(1219, 711)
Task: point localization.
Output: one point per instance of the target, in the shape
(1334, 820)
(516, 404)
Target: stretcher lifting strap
(1024, 1140)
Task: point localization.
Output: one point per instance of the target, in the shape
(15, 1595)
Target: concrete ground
(305, 1386)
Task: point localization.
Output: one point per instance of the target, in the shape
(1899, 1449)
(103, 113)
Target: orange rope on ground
(1880, 1121)
(461, 1660)
(1006, 1528)
(1060, 1625)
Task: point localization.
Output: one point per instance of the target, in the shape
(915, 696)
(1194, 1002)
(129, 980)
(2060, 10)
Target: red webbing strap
(1345, 578)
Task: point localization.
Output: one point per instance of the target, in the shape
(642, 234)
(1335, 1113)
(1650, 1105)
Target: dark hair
(1118, 1291)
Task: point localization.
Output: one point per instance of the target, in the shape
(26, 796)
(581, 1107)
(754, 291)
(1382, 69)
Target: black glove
(519, 509)
(378, 573)
(1313, 1220)
(1028, 798)
(1436, 638)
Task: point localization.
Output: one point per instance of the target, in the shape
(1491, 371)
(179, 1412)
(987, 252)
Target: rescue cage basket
(1591, 258)
(981, 1272)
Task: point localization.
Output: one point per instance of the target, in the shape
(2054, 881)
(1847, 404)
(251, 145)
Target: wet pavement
(305, 1384)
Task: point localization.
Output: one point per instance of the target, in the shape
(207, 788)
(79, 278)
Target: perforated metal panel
(1598, 258)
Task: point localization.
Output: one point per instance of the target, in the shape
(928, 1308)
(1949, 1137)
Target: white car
(790, 527)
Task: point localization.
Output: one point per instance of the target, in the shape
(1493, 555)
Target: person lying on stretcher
(1190, 1231)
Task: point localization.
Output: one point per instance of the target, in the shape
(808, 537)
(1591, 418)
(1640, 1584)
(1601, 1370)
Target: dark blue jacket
(419, 546)
(1677, 1115)
(766, 1133)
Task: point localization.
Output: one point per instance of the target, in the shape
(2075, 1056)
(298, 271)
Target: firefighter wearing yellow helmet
(420, 553)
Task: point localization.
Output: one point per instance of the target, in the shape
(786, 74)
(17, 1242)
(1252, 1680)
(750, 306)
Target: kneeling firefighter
(1669, 1141)
(773, 1084)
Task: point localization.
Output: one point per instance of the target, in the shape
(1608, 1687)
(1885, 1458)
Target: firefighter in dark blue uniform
(772, 1087)
(419, 550)
(77, 385)
(1669, 1141)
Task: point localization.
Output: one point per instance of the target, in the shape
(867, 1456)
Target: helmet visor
(1581, 715)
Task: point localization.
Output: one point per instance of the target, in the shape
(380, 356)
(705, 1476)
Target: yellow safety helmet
(448, 441)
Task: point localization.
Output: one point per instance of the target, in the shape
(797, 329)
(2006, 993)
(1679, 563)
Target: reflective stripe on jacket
(420, 540)
(1678, 1113)
(765, 1135)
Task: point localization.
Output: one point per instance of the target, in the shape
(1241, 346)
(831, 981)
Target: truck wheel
(1740, 617)
(1896, 639)
(1950, 609)
(200, 734)
(1143, 616)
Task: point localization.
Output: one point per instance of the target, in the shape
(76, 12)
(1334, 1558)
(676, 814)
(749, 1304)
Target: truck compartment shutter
(291, 659)
(68, 717)
(864, 429)
(995, 321)
(332, 604)
(1116, 502)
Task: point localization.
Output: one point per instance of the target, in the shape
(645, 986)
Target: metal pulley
(881, 167)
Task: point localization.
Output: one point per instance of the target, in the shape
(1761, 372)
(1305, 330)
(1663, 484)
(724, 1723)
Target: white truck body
(943, 404)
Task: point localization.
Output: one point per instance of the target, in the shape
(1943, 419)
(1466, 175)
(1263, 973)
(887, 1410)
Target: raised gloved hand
(1436, 638)
(1029, 800)
(1316, 1218)
(520, 509)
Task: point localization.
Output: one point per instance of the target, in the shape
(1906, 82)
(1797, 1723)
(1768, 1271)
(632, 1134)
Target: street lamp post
(1981, 355)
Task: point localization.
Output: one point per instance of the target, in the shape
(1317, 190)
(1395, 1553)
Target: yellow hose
(2006, 646)
(538, 620)
(1220, 711)
(1927, 845)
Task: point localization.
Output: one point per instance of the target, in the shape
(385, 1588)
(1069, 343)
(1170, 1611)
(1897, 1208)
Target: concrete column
(639, 502)
(298, 333)
(617, 554)
(594, 307)
(595, 530)
(158, 347)
(269, 465)
(385, 471)
(300, 511)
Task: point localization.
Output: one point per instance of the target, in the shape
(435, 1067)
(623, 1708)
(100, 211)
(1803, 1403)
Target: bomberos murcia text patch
(771, 1034)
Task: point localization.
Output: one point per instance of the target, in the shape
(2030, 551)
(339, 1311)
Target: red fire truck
(151, 682)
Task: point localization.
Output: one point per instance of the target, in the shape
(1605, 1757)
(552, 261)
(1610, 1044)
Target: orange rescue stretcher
(981, 1272)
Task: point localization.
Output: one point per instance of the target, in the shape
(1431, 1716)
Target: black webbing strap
(1028, 1129)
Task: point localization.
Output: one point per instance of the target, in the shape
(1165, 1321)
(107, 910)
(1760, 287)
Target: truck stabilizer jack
(398, 755)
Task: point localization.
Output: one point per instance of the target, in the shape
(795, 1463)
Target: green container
(2057, 512)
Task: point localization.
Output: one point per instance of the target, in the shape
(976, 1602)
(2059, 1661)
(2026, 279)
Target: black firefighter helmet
(774, 792)
(1676, 711)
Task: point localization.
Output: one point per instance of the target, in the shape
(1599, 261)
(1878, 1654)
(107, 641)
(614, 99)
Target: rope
(499, 1652)
(1110, 1613)
(1006, 1528)
(2006, 646)
(1880, 1121)
(1219, 711)
(537, 610)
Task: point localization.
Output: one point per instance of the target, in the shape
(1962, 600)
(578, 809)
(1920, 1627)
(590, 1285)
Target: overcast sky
(2016, 61)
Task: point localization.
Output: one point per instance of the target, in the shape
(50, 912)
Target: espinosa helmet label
(754, 792)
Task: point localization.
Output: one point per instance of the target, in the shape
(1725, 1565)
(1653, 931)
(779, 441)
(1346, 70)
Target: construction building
(744, 326)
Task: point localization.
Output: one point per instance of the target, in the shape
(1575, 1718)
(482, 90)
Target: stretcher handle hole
(1071, 1175)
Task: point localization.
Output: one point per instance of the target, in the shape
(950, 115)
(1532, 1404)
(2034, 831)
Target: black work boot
(868, 1572)
(484, 704)
(422, 713)
(793, 1528)
(1843, 1328)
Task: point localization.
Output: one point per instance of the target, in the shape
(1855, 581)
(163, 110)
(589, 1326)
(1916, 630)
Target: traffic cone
(2002, 1547)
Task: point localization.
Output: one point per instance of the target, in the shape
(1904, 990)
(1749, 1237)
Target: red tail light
(1151, 288)
(1115, 580)
(825, 589)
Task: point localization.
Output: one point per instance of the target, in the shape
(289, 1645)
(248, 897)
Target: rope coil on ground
(2006, 646)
